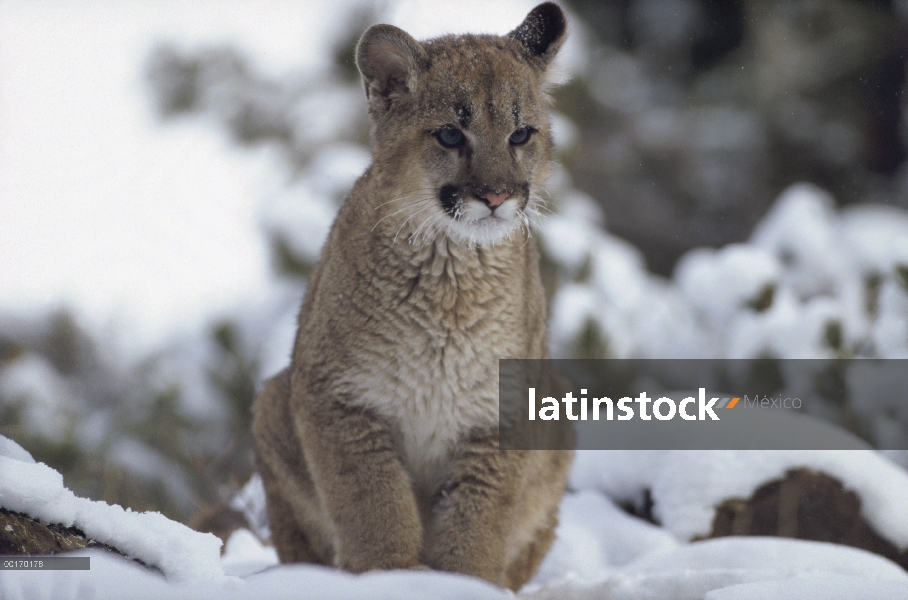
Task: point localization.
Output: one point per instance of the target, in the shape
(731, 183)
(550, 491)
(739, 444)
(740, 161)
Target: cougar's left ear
(542, 33)
(391, 62)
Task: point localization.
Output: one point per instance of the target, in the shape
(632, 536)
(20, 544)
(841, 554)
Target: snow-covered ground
(600, 552)
(37, 490)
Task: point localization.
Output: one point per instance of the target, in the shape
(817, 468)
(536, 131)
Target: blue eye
(449, 137)
(520, 137)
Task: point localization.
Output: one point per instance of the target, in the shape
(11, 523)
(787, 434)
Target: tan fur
(378, 445)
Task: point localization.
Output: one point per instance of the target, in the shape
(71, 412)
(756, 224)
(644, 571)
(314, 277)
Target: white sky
(131, 223)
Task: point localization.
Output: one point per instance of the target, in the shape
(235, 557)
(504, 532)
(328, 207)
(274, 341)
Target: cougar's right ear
(390, 61)
(542, 33)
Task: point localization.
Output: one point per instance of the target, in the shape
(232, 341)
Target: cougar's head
(461, 130)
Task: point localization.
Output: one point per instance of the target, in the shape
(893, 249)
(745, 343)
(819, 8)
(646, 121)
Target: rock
(804, 505)
(21, 535)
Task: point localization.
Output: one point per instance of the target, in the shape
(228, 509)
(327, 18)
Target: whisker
(400, 211)
(436, 230)
(427, 224)
(430, 222)
(543, 196)
(534, 217)
(436, 227)
(536, 220)
(406, 195)
(415, 233)
(429, 205)
(538, 203)
(537, 199)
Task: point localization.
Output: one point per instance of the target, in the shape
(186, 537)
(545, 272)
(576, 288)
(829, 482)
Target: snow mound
(595, 537)
(785, 556)
(741, 569)
(113, 577)
(811, 586)
(36, 490)
(244, 554)
(11, 449)
(601, 552)
(687, 486)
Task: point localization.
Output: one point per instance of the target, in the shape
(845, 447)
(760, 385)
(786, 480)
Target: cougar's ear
(390, 62)
(542, 33)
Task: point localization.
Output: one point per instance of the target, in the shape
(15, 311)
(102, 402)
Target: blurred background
(733, 184)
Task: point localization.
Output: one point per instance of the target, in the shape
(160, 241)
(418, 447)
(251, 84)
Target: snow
(718, 282)
(595, 536)
(877, 234)
(37, 490)
(601, 552)
(813, 585)
(770, 554)
(686, 486)
(251, 502)
(112, 577)
(728, 569)
(805, 268)
(11, 449)
(50, 402)
(737, 567)
(244, 554)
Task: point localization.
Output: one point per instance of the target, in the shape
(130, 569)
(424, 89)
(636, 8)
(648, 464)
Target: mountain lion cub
(378, 445)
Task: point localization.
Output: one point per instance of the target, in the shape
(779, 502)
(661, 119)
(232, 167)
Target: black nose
(448, 196)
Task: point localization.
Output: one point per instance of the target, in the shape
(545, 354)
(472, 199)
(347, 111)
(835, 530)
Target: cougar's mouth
(472, 207)
(483, 221)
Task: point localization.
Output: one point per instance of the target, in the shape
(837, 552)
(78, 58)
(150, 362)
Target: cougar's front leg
(472, 512)
(361, 485)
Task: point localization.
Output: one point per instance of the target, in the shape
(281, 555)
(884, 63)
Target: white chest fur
(426, 358)
(432, 394)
